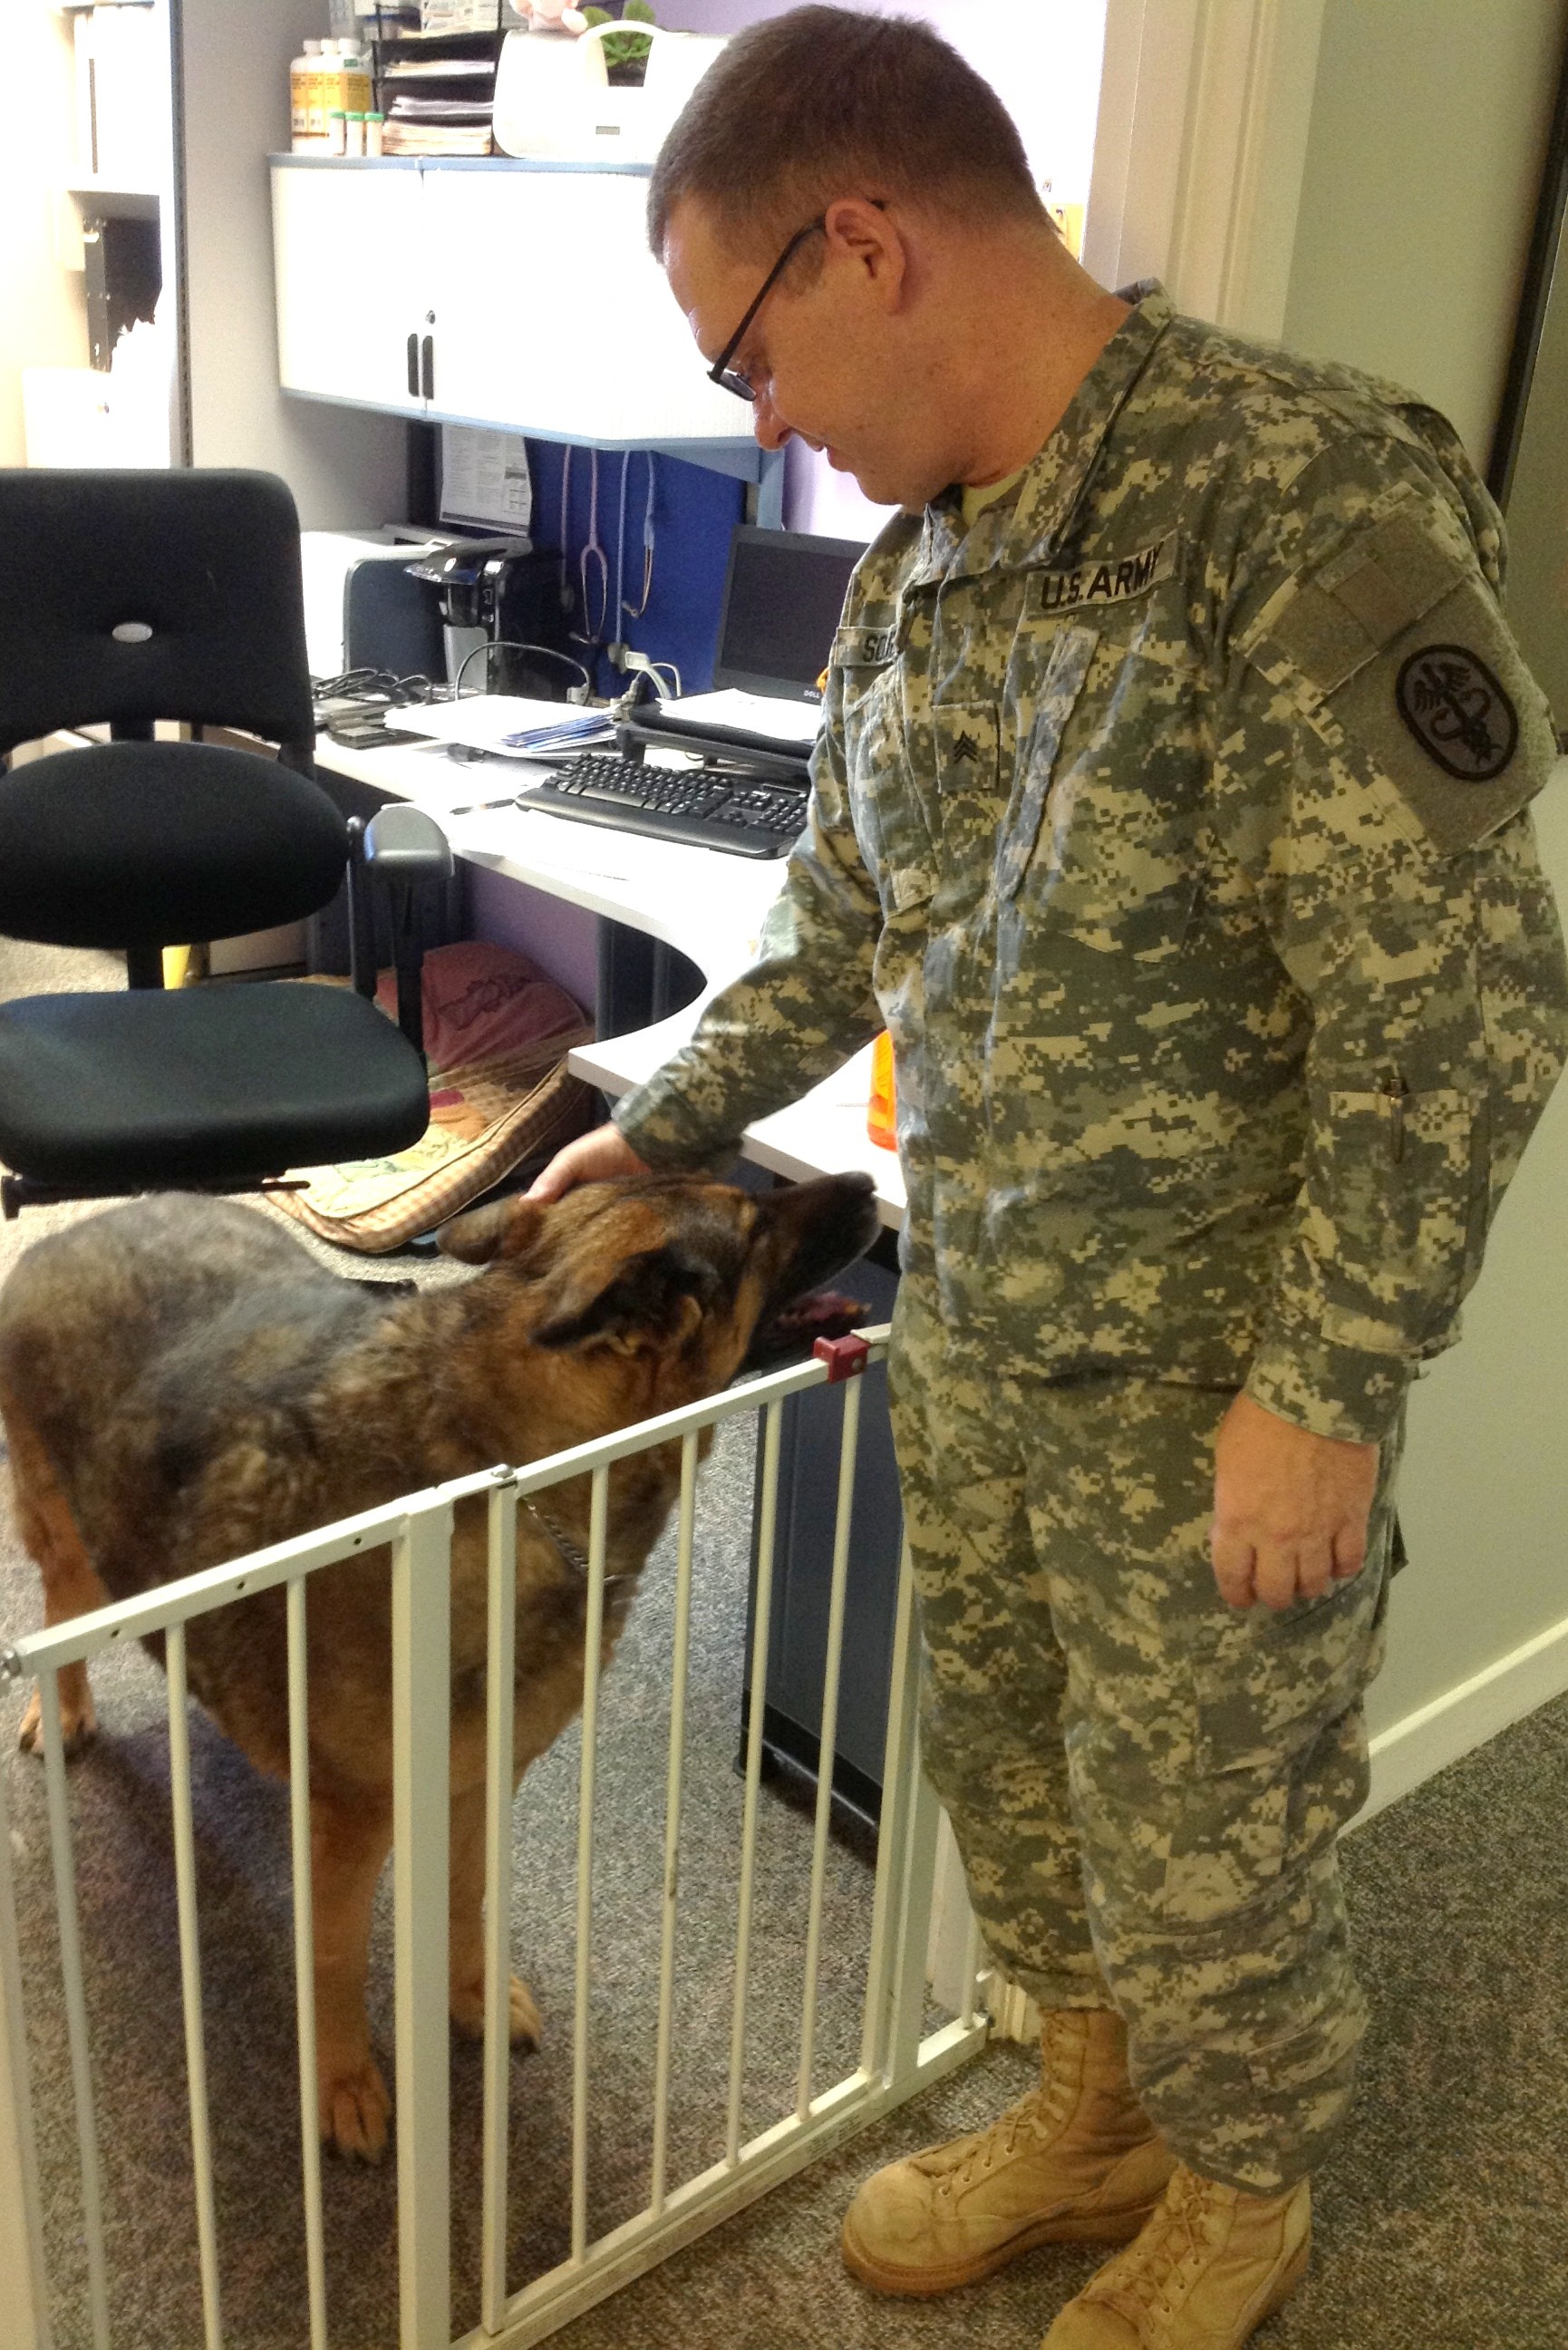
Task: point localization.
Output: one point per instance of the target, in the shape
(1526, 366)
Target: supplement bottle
(302, 73)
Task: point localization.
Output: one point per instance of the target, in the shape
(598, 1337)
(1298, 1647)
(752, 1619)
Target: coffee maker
(501, 592)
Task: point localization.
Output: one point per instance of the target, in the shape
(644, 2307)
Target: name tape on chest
(863, 648)
(1113, 581)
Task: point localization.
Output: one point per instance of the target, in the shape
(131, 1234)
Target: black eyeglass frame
(721, 373)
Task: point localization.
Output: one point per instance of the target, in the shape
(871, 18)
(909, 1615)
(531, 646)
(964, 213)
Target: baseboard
(1412, 1751)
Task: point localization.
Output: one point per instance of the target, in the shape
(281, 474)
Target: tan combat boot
(1211, 2264)
(1075, 2161)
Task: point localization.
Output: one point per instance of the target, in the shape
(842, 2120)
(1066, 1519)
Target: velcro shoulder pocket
(1395, 648)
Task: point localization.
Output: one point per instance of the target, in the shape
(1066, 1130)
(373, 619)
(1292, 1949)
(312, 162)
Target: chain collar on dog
(574, 1557)
(570, 1552)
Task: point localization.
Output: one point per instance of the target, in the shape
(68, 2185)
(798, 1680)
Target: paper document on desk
(509, 724)
(792, 723)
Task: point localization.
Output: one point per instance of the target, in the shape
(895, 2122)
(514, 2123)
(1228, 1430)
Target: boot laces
(1153, 2268)
(971, 2157)
(1033, 2114)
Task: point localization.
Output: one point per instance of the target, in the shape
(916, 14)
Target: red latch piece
(846, 1358)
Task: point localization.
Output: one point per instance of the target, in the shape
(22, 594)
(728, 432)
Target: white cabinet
(348, 250)
(488, 294)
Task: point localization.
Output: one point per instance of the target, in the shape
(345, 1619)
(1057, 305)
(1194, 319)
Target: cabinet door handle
(428, 369)
(413, 367)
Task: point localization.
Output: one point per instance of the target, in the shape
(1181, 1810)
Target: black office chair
(127, 598)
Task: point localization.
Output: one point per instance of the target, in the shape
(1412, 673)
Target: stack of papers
(794, 725)
(452, 115)
(509, 725)
(401, 137)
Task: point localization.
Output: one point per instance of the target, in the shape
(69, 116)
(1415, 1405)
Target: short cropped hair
(826, 102)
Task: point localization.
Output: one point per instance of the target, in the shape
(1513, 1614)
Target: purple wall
(721, 15)
(559, 937)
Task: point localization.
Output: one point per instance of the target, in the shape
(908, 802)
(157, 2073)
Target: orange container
(881, 1123)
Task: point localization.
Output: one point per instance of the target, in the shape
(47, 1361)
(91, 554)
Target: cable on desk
(367, 684)
(515, 645)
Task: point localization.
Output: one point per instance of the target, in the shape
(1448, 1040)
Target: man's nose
(769, 426)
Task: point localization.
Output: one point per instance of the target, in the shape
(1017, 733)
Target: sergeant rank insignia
(1457, 711)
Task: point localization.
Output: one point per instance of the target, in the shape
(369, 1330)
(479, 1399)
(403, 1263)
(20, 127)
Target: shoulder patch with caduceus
(1457, 711)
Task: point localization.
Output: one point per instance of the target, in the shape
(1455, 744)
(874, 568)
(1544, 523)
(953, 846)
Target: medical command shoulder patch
(1457, 711)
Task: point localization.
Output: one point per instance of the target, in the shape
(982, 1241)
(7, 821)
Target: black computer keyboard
(697, 805)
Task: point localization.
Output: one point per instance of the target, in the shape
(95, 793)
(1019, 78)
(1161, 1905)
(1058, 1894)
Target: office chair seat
(146, 843)
(106, 1094)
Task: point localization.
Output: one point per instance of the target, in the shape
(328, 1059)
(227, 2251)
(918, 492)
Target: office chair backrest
(155, 844)
(136, 595)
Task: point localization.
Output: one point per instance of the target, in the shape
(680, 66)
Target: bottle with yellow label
(303, 75)
(881, 1114)
(344, 81)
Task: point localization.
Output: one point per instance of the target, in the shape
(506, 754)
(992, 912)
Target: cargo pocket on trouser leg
(1256, 2106)
(1234, 1967)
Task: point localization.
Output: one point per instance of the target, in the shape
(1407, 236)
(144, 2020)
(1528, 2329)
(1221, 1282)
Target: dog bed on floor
(497, 1033)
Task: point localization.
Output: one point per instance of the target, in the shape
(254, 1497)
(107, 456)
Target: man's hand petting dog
(595, 1158)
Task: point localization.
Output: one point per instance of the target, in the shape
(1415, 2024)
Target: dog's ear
(654, 1300)
(506, 1228)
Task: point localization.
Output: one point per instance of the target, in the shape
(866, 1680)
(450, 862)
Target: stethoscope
(592, 561)
(635, 612)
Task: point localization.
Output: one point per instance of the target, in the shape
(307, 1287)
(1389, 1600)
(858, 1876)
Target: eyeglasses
(721, 371)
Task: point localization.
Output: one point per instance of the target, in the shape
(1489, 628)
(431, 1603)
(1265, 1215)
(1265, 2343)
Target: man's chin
(879, 490)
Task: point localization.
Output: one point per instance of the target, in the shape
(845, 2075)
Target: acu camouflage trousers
(1146, 1784)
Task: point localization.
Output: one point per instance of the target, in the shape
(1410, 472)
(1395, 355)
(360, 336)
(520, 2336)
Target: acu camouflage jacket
(1174, 819)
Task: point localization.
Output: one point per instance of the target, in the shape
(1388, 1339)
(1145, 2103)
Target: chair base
(19, 1192)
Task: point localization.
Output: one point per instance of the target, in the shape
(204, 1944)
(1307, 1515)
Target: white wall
(345, 466)
(1424, 159)
(42, 316)
(1484, 1490)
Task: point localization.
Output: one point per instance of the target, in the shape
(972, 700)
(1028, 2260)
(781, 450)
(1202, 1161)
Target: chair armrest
(404, 843)
(401, 847)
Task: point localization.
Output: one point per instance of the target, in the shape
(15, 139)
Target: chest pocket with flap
(1098, 843)
(889, 818)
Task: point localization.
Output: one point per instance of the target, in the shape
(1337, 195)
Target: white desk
(707, 905)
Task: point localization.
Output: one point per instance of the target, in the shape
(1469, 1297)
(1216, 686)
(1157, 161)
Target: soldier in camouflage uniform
(1171, 811)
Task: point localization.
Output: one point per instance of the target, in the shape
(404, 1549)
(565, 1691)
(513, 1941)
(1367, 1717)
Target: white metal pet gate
(896, 2057)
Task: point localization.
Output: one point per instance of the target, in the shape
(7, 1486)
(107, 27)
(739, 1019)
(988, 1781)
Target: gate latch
(846, 1358)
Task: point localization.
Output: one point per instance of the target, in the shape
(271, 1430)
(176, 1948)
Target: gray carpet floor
(1441, 2225)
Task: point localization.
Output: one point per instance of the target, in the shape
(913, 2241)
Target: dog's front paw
(523, 2027)
(355, 2108)
(78, 1724)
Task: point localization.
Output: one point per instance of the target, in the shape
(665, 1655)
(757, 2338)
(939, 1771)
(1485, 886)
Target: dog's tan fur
(181, 1383)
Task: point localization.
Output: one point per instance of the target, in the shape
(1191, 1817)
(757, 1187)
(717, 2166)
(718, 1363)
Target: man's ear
(506, 1228)
(862, 230)
(654, 1300)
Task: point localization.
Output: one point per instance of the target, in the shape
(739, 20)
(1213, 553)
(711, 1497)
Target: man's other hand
(1290, 1508)
(595, 1158)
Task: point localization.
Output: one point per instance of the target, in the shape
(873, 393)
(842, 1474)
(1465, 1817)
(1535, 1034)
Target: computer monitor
(784, 593)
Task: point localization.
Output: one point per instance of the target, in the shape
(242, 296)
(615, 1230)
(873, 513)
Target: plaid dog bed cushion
(497, 1033)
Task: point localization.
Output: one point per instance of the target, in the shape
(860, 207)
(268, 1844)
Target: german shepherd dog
(183, 1383)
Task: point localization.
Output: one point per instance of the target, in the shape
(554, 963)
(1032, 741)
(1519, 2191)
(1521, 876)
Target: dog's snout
(830, 1222)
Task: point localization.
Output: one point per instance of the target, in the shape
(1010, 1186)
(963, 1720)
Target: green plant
(626, 49)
